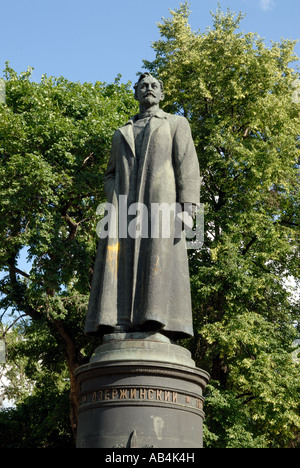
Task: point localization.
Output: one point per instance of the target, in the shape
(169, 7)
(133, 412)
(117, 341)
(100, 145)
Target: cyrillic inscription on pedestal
(147, 395)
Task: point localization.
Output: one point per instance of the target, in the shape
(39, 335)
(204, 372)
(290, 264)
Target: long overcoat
(143, 282)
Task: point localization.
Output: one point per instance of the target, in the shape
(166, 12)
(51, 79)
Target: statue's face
(149, 92)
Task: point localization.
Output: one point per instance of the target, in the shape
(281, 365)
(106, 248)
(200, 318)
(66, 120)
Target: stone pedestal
(140, 390)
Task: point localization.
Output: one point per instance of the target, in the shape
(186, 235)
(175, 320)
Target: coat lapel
(127, 132)
(155, 122)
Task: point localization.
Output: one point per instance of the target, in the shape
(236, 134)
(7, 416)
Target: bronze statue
(141, 283)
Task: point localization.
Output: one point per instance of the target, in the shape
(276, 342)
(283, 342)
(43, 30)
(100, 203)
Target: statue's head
(149, 90)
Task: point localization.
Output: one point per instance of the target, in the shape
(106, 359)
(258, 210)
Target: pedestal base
(140, 392)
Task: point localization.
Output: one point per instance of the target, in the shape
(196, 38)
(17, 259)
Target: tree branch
(12, 324)
(73, 226)
(20, 272)
(18, 295)
(249, 245)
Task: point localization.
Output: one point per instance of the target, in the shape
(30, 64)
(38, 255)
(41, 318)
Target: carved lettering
(123, 394)
(199, 404)
(149, 394)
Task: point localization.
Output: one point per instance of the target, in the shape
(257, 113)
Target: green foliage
(14, 384)
(41, 421)
(37, 381)
(239, 96)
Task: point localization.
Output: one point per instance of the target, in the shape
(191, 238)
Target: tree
(39, 390)
(239, 96)
(55, 139)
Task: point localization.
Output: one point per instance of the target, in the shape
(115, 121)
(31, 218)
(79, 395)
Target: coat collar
(127, 130)
(159, 114)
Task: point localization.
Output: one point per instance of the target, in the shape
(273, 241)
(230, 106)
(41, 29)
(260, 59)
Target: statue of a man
(141, 283)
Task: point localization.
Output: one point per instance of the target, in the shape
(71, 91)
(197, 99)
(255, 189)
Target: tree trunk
(219, 371)
(72, 363)
(74, 403)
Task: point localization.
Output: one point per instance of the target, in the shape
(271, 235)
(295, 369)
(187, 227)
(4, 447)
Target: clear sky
(94, 40)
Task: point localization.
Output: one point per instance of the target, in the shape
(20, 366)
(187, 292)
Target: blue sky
(98, 39)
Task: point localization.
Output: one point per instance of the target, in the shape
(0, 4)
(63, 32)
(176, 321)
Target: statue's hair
(142, 76)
